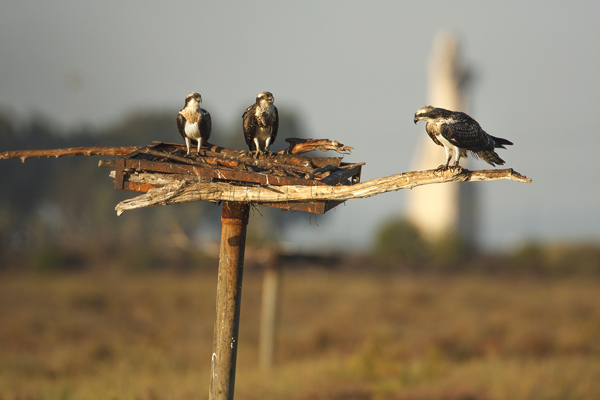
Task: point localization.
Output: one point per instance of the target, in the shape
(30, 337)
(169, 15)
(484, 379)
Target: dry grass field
(343, 335)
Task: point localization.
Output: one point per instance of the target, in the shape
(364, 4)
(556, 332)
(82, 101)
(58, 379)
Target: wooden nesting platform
(218, 164)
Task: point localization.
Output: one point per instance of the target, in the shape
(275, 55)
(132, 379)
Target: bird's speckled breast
(191, 116)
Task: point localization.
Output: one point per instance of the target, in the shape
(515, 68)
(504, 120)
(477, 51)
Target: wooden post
(234, 220)
(269, 308)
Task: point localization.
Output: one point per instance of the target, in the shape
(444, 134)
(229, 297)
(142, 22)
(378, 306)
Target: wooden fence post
(269, 311)
(234, 220)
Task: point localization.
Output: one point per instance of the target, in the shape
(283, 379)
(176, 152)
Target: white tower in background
(437, 210)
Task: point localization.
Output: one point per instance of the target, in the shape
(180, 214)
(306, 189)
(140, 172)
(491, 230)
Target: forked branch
(185, 191)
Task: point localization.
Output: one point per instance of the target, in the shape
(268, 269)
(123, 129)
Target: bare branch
(192, 190)
(299, 146)
(71, 151)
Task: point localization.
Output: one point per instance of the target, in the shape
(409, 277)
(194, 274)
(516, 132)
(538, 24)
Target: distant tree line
(69, 201)
(399, 243)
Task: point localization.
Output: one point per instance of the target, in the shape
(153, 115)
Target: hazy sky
(354, 71)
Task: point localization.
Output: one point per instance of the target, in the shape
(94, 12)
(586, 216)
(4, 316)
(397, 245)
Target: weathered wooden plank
(119, 169)
(219, 173)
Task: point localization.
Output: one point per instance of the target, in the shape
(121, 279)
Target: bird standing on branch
(458, 134)
(194, 122)
(260, 123)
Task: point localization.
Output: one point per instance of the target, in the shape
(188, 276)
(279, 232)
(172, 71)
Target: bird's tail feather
(500, 142)
(489, 156)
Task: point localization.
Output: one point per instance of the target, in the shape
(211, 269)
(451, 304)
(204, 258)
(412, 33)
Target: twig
(173, 157)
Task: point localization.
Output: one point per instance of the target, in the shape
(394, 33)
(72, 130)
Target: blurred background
(354, 72)
(78, 73)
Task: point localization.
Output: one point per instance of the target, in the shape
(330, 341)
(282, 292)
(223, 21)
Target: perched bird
(193, 122)
(260, 122)
(459, 134)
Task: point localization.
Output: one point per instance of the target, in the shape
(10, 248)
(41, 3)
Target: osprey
(459, 133)
(260, 122)
(193, 122)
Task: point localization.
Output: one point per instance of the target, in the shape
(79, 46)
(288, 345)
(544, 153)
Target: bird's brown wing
(249, 124)
(467, 134)
(181, 125)
(205, 125)
(275, 127)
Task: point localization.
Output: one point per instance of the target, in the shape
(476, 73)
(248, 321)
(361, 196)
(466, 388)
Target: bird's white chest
(445, 141)
(192, 130)
(262, 132)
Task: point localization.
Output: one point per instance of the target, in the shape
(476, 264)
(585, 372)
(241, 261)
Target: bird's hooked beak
(416, 119)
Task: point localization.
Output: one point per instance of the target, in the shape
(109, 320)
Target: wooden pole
(269, 308)
(234, 219)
